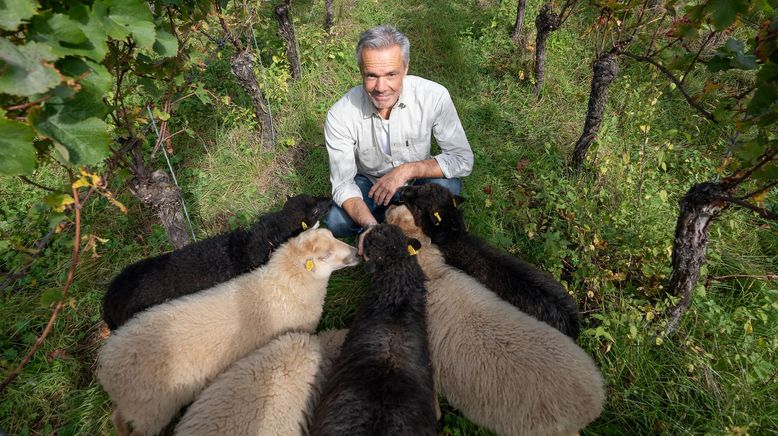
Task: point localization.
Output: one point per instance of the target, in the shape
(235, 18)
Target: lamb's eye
(325, 256)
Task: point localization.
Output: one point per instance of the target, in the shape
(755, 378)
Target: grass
(604, 233)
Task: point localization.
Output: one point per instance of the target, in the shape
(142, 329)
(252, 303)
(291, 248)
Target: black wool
(534, 292)
(381, 383)
(207, 263)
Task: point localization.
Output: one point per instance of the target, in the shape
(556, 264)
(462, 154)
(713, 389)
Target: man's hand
(360, 241)
(384, 188)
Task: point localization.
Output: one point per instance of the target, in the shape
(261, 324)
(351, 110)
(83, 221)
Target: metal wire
(173, 173)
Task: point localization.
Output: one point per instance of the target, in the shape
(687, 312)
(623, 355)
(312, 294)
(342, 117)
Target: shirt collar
(368, 110)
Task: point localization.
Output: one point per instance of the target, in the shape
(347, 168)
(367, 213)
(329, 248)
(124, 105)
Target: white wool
(501, 368)
(162, 358)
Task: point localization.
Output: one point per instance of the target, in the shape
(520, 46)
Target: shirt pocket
(371, 159)
(419, 148)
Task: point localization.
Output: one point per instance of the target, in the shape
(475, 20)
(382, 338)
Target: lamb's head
(401, 217)
(385, 244)
(434, 209)
(306, 210)
(318, 252)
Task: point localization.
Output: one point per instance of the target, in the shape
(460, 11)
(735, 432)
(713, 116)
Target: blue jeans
(342, 225)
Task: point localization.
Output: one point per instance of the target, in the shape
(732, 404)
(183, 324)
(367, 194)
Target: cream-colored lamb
(501, 368)
(271, 391)
(163, 358)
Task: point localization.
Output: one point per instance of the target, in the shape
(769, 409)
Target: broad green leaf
(764, 97)
(25, 70)
(86, 140)
(17, 154)
(95, 81)
(724, 12)
(90, 23)
(13, 12)
(166, 44)
(50, 296)
(122, 18)
(55, 30)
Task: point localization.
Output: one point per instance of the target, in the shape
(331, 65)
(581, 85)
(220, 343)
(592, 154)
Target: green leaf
(166, 44)
(95, 81)
(85, 140)
(122, 18)
(764, 97)
(17, 154)
(724, 12)
(50, 297)
(59, 32)
(13, 12)
(25, 70)
(89, 21)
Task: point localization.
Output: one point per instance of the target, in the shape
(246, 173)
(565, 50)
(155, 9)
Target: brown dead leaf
(488, 189)
(58, 353)
(520, 165)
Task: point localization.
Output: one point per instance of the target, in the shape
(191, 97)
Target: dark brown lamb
(534, 292)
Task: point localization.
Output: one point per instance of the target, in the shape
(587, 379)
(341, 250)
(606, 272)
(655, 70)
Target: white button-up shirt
(423, 109)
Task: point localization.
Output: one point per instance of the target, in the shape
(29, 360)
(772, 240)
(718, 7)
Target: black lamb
(206, 263)
(534, 292)
(381, 383)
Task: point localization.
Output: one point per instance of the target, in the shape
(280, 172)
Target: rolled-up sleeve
(343, 165)
(456, 157)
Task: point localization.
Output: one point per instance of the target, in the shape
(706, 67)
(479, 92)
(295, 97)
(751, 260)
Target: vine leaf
(13, 12)
(17, 153)
(166, 44)
(84, 140)
(90, 23)
(122, 18)
(26, 71)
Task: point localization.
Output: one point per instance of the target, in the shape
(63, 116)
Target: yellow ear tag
(437, 216)
(412, 251)
(454, 201)
(305, 226)
(309, 265)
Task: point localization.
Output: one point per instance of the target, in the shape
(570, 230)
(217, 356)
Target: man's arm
(385, 187)
(356, 208)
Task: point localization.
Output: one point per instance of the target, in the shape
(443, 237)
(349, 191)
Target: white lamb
(162, 358)
(270, 391)
(501, 368)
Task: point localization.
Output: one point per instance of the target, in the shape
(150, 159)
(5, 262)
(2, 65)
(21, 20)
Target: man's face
(382, 75)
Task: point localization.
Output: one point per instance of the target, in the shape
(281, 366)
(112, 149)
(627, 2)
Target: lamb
(532, 291)
(270, 391)
(381, 383)
(163, 357)
(207, 263)
(501, 368)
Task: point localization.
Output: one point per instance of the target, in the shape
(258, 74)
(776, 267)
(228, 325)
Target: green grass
(604, 233)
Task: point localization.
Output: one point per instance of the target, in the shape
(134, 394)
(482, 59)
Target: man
(378, 135)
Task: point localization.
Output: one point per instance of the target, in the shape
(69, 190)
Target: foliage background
(606, 234)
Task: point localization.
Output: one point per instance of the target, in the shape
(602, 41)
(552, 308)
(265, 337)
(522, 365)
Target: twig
(39, 246)
(746, 276)
(675, 80)
(46, 188)
(767, 157)
(697, 56)
(26, 105)
(71, 274)
(758, 191)
(760, 210)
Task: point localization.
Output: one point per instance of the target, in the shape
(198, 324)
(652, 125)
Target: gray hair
(383, 37)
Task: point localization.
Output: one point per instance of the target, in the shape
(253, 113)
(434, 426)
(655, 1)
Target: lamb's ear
(436, 217)
(458, 200)
(413, 246)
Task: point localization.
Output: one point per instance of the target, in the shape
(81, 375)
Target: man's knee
(339, 223)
